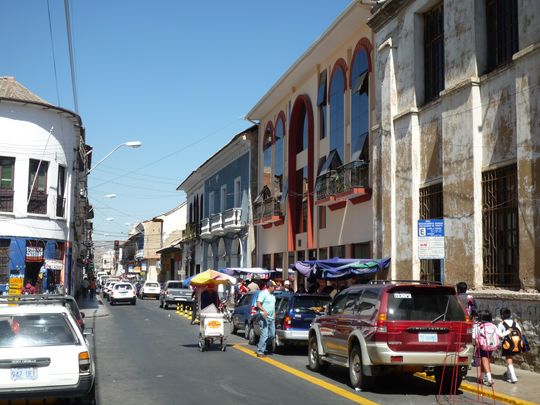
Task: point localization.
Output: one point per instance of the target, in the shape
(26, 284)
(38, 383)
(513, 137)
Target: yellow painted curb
(486, 393)
(314, 380)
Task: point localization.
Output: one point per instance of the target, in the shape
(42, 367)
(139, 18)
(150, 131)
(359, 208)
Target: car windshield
(310, 303)
(423, 304)
(152, 285)
(35, 330)
(174, 285)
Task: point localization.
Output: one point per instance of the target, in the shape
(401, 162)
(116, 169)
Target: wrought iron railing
(37, 203)
(6, 200)
(351, 175)
(268, 208)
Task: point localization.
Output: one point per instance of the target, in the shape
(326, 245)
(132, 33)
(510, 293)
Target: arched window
(278, 156)
(267, 156)
(360, 106)
(337, 121)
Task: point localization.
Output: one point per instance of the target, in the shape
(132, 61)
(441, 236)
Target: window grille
(502, 31)
(431, 207)
(433, 52)
(500, 227)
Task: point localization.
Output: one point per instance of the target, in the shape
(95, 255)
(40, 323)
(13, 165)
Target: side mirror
(82, 315)
(88, 331)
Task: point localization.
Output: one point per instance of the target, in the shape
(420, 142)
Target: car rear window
(35, 330)
(310, 303)
(152, 284)
(423, 304)
(174, 285)
(122, 286)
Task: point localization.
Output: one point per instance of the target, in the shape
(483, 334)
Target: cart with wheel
(212, 329)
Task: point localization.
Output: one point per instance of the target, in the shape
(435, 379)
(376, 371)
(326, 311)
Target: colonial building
(218, 196)
(173, 226)
(314, 197)
(456, 136)
(43, 202)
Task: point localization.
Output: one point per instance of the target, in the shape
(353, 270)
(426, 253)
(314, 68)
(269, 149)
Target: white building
(42, 168)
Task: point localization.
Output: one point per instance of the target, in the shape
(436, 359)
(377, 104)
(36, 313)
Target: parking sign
(431, 239)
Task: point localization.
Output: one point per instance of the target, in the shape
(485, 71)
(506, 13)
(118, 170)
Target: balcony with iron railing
(6, 199)
(37, 203)
(347, 182)
(267, 212)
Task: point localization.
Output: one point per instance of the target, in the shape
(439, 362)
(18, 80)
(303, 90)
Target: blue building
(219, 195)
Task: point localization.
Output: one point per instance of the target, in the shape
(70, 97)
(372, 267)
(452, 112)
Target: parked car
(150, 289)
(243, 313)
(44, 354)
(294, 315)
(394, 327)
(107, 288)
(66, 300)
(122, 292)
(174, 293)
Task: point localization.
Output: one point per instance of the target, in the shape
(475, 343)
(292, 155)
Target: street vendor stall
(212, 317)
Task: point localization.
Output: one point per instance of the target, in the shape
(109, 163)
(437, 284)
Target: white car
(109, 284)
(122, 292)
(44, 354)
(150, 289)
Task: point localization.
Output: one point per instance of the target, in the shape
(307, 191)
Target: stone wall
(525, 309)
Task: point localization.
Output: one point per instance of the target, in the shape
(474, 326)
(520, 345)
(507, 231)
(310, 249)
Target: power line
(52, 52)
(71, 57)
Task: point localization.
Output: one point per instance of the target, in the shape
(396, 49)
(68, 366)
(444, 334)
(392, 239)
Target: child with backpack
(512, 342)
(486, 339)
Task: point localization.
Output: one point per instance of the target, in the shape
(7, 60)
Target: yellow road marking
(484, 392)
(314, 380)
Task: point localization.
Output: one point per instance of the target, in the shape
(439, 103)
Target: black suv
(394, 327)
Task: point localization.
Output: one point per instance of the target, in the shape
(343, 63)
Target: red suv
(394, 327)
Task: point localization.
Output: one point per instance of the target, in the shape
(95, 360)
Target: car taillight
(381, 329)
(84, 362)
(287, 322)
(253, 310)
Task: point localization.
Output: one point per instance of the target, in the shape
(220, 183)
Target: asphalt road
(147, 355)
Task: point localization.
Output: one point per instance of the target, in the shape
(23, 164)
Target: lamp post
(131, 144)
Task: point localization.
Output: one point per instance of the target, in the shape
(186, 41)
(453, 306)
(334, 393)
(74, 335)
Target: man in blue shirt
(266, 302)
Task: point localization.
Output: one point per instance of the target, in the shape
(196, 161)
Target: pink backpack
(487, 338)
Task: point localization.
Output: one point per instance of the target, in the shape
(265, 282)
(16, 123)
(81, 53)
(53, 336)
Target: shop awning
(173, 247)
(337, 268)
(235, 271)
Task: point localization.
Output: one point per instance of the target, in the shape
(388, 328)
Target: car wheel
(246, 331)
(252, 338)
(277, 344)
(160, 304)
(356, 375)
(157, 298)
(142, 296)
(314, 360)
(111, 302)
(88, 399)
(444, 380)
(234, 329)
(134, 302)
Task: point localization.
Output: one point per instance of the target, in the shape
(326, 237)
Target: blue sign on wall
(431, 228)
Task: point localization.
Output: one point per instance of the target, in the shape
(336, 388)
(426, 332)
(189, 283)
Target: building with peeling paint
(456, 136)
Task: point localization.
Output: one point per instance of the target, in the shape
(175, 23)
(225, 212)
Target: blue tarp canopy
(336, 268)
(236, 271)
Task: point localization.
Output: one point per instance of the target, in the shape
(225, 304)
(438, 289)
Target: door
(347, 323)
(328, 328)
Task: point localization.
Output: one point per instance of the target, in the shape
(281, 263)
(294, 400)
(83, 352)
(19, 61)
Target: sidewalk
(92, 307)
(523, 392)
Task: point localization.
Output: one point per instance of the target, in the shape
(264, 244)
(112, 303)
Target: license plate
(179, 299)
(29, 373)
(428, 337)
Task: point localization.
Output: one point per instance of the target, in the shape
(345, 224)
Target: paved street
(149, 355)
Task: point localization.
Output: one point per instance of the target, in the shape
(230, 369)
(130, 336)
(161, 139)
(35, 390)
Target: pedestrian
(287, 286)
(486, 340)
(84, 286)
(194, 304)
(512, 342)
(92, 288)
(253, 286)
(209, 296)
(467, 300)
(266, 303)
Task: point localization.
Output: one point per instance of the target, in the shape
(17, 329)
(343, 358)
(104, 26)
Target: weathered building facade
(456, 136)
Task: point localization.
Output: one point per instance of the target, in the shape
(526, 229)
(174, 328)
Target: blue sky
(176, 75)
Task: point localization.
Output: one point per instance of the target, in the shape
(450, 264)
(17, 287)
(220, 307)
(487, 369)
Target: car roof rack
(383, 282)
(33, 299)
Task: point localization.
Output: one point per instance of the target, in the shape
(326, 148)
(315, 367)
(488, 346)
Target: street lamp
(131, 144)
